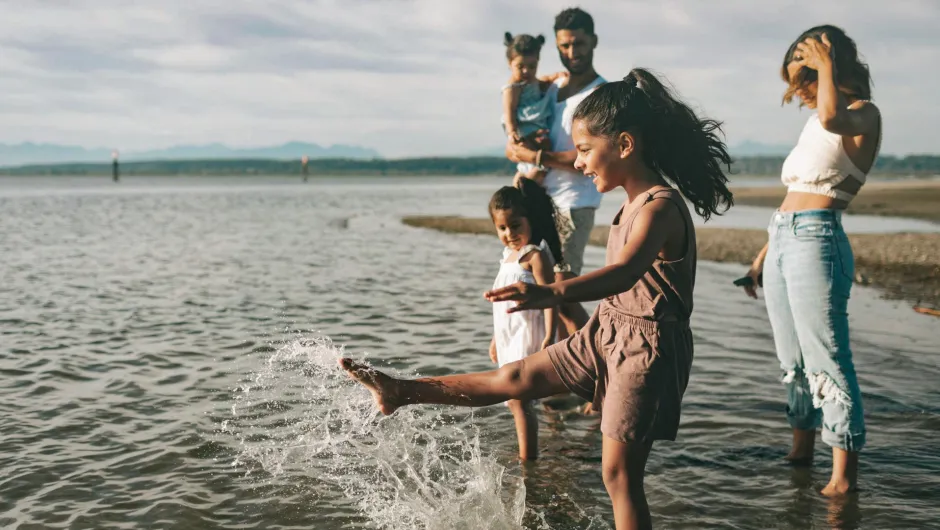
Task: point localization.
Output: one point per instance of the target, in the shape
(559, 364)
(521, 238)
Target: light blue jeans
(808, 275)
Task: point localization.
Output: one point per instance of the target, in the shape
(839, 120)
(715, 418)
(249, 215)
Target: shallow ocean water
(167, 356)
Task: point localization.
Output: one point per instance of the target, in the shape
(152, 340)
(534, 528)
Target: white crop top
(819, 162)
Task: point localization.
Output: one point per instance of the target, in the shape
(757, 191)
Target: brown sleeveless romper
(633, 358)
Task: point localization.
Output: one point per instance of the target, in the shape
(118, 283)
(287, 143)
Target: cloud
(415, 77)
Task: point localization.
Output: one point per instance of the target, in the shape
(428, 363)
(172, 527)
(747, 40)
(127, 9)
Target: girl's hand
(814, 54)
(754, 274)
(529, 296)
(493, 351)
(547, 342)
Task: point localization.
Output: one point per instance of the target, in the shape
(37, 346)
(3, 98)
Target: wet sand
(904, 266)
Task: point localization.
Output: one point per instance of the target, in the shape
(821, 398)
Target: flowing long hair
(677, 144)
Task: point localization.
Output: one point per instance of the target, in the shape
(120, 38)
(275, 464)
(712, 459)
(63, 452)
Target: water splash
(299, 415)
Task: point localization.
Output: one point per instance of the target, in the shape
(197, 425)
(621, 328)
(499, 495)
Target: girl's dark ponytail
(532, 201)
(677, 144)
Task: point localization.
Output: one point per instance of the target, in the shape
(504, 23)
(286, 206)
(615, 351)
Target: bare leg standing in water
(804, 443)
(624, 467)
(526, 421)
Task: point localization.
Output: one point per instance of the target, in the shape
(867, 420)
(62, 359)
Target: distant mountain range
(33, 153)
(40, 153)
(750, 166)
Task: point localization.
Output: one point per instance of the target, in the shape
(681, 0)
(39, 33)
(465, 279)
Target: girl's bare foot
(838, 488)
(380, 385)
(844, 473)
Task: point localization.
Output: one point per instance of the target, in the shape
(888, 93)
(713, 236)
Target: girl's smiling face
(513, 229)
(599, 157)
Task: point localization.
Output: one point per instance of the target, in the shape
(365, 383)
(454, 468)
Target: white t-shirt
(569, 189)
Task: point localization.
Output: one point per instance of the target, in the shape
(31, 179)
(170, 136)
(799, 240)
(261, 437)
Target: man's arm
(556, 159)
(559, 159)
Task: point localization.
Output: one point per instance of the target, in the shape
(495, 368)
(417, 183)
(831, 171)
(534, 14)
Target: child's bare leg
(573, 316)
(528, 379)
(624, 467)
(527, 428)
(844, 473)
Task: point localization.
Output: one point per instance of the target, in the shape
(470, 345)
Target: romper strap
(673, 196)
(650, 197)
(524, 251)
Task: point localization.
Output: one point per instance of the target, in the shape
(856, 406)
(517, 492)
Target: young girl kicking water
(524, 219)
(633, 358)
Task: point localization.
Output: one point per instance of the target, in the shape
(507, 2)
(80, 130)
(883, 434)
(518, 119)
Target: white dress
(517, 335)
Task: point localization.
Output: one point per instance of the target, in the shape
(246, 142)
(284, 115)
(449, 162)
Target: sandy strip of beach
(918, 199)
(904, 266)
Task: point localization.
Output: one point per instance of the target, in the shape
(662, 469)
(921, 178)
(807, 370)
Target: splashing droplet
(419, 468)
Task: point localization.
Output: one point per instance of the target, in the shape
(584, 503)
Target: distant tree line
(916, 165)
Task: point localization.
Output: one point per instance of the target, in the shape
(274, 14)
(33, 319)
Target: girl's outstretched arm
(653, 226)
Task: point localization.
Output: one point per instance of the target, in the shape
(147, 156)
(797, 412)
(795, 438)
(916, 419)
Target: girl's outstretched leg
(624, 467)
(531, 378)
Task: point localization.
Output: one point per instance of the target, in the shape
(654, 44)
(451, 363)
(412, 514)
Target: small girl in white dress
(526, 224)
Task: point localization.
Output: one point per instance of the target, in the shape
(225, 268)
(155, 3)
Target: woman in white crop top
(807, 267)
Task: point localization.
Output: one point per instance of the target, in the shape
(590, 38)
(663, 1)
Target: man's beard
(583, 65)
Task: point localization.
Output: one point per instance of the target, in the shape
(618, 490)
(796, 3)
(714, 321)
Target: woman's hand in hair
(529, 296)
(814, 54)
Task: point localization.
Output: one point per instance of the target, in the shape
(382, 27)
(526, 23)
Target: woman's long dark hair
(531, 201)
(676, 143)
(851, 73)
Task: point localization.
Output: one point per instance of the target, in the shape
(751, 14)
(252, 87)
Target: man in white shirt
(574, 194)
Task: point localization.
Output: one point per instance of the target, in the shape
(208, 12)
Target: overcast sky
(412, 78)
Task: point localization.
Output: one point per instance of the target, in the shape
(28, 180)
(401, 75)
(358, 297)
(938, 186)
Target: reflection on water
(161, 368)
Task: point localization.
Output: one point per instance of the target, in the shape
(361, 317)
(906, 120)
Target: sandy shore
(918, 199)
(905, 266)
